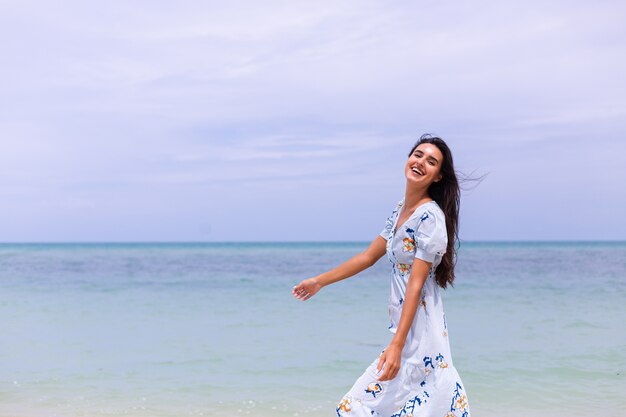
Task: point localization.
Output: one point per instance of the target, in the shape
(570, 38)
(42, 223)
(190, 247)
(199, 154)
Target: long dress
(427, 384)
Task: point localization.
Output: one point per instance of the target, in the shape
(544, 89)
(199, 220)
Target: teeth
(417, 171)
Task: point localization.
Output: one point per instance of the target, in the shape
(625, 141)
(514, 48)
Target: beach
(210, 329)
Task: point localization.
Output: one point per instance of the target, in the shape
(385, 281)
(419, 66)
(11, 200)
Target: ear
(439, 178)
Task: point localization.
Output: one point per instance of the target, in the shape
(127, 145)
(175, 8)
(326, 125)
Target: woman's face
(424, 165)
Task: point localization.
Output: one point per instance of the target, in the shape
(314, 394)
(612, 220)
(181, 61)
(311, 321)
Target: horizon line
(139, 242)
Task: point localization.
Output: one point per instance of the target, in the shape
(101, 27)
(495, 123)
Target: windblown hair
(447, 195)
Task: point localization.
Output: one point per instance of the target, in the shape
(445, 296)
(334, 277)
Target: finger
(298, 291)
(391, 368)
(386, 371)
(388, 374)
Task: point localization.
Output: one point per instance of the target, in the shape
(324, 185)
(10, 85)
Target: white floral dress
(427, 383)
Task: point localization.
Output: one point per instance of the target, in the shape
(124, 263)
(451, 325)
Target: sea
(212, 329)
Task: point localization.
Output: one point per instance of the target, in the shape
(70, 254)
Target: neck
(413, 197)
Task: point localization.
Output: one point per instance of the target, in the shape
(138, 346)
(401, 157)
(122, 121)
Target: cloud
(110, 99)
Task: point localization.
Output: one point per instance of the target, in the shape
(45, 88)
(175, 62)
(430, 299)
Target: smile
(417, 171)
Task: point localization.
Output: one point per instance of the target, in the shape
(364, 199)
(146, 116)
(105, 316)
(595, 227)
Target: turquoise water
(212, 329)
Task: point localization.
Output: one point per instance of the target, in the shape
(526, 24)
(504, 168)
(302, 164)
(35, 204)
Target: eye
(432, 163)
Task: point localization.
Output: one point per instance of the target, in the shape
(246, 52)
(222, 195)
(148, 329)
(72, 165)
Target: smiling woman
(414, 375)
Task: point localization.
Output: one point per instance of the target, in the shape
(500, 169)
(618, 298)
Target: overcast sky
(291, 121)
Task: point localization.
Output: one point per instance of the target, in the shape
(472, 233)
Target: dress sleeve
(431, 237)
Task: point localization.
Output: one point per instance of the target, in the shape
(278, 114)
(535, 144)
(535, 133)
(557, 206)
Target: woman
(414, 375)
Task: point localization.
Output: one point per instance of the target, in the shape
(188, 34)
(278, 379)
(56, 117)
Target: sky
(292, 120)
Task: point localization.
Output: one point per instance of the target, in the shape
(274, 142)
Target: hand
(306, 289)
(390, 361)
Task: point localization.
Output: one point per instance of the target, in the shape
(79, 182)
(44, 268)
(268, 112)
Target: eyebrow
(432, 158)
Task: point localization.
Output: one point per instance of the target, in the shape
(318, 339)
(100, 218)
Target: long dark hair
(447, 195)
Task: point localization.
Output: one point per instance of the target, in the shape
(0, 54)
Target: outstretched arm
(309, 287)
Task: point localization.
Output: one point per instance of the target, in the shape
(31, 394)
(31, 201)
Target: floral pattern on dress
(459, 402)
(344, 406)
(404, 268)
(409, 406)
(409, 245)
(374, 388)
(439, 362)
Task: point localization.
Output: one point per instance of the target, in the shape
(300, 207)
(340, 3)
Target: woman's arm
(309, 287)
(390, 357)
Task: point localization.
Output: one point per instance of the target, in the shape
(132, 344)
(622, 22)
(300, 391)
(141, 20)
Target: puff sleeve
(431, 237)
